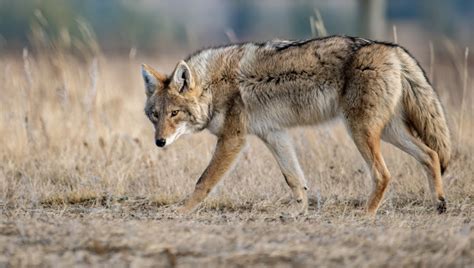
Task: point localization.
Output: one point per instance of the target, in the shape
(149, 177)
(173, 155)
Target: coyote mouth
(180, 130)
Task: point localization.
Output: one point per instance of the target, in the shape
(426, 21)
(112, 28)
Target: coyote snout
(170, 133)
(160, 142)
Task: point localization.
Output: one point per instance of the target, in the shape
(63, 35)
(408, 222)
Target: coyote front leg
(279, 143)
(227, 149)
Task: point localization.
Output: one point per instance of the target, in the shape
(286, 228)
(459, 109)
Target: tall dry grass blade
(191, 37)
(317, 24)
(311, 24)
(230, 33)
(27, 69)
(60, 66)
(27, 96)
(454, 55)
(63, 93)
(464, 90)
(90, 99)
(40, 17)
(64, 41)
(320, 25)
(395, 34)
(132, 54)
(432, 61)
(29, 133)
(89, 37)
(38, 35)
(47, 139)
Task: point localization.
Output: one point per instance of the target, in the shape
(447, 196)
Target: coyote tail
(423, 109)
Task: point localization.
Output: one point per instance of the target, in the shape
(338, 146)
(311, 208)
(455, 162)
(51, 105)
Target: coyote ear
(183, 77)
(153, 80)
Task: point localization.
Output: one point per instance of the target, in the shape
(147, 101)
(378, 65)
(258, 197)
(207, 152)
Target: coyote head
(175, 104)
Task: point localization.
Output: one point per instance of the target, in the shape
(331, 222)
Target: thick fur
(423, 109)
(377, 88)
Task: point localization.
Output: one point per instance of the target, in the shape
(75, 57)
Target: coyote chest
(216, 123)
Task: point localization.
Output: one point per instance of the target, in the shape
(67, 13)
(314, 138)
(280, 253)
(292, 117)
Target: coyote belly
(263, 89)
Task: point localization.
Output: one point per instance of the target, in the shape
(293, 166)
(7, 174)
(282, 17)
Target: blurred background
(175, 25)
(437, 32)
(102, 43)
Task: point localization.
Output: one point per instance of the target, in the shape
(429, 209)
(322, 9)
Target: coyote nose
(160, 142)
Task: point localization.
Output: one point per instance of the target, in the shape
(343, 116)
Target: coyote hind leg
(368, 143)
(397, 134)
(279, 143)
(370, 97)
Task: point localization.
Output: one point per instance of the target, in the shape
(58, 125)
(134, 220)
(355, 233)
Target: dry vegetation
(81, 182)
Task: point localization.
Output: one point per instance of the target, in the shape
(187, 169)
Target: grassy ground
(81, 183)
(140, 234)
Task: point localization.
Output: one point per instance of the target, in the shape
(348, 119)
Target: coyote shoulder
(378, 89)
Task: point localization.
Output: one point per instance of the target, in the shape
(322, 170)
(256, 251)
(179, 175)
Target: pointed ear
(183, 77)
(153, 79)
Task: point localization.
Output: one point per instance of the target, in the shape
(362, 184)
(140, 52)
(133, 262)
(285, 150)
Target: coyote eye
(154, 114)
(174, 113)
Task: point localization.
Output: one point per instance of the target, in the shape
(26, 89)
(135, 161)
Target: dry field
(81, 182)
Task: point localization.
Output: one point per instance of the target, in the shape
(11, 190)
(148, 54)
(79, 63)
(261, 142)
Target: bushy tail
(423, 109)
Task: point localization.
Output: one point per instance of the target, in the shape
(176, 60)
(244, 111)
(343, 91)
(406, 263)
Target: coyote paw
(302, 207)
(366, 215)
(441, 206)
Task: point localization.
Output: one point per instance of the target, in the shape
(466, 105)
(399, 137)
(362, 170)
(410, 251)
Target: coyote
(378, 89)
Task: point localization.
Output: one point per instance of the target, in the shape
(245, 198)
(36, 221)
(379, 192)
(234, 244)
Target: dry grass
(81, 183)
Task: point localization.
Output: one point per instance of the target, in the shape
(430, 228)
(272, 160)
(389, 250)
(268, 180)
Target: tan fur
(377, 88)
(424, 110)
